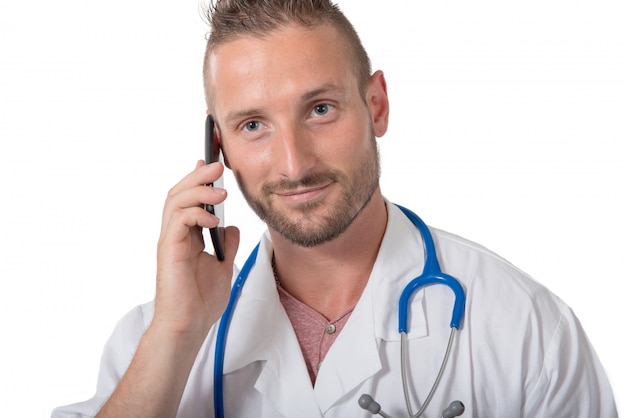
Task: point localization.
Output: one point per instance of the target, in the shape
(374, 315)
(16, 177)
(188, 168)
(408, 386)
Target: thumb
(230, 238)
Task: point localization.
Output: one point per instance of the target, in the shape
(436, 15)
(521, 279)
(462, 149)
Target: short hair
(230, 19)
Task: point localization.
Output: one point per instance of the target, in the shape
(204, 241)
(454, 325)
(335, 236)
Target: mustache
(310, 180)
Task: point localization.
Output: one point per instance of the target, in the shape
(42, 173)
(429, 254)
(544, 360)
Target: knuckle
(171, 192)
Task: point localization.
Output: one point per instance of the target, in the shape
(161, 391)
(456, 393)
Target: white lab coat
(520, 351)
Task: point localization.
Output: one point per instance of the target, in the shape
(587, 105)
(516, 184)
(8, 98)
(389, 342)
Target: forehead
(252, 70)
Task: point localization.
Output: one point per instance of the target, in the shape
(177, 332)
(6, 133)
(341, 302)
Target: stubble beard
(308, 227)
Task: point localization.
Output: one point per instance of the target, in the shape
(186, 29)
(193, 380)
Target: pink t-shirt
(314, 331)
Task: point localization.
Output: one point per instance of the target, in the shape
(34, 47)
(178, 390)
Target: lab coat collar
(400, 260)
(354, 357)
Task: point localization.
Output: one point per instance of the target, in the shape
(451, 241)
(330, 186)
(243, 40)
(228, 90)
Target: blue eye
(321, 109)
(252, 126)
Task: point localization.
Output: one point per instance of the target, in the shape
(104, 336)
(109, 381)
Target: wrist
(156, 378)
(166, 334)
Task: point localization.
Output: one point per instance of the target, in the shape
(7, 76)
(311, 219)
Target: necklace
(274, 270)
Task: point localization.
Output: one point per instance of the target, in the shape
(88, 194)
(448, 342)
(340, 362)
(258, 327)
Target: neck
(331, 277)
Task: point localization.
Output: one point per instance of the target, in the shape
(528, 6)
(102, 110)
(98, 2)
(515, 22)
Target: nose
(294, 155)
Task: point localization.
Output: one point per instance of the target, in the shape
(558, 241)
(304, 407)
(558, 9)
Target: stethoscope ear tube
(421, 281)
(430, 275)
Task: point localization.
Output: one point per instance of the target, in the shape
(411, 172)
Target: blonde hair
(229, 19)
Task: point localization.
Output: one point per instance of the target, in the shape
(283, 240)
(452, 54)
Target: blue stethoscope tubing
(431, 274)
(222, 331)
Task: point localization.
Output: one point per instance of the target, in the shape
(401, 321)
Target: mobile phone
(211, 155)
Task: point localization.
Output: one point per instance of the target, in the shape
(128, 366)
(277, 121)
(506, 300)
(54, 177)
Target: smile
(303, 195)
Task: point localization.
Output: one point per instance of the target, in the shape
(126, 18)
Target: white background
(508, 127)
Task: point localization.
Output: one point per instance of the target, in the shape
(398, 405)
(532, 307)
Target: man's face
(296, 130)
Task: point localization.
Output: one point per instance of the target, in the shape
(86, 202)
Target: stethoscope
(431, 274)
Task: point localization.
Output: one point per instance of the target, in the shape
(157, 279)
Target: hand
(191, 293)
(192, 286)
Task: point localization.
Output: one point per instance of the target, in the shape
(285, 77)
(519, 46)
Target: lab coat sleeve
(572, 382)
(116, 357)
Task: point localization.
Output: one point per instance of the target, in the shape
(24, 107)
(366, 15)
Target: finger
(183, 220)
(230, 237)
(185, 210)
(202, 174)
(191, 198)
(188, 211)
(196, 196)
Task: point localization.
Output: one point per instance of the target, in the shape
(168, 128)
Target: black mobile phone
(211, 155)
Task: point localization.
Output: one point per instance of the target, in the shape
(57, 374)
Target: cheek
(353, 139)
(250, 165)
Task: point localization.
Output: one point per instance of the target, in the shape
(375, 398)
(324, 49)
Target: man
(297, 111)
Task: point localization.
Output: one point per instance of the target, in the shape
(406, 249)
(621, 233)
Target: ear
(378, 103)
(218, 137)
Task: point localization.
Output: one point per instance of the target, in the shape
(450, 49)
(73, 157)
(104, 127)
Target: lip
(304, 195)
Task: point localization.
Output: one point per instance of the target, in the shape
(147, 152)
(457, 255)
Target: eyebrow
(242, 115)
(325, 88)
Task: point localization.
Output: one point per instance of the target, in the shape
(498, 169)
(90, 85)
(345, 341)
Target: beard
(306, 227)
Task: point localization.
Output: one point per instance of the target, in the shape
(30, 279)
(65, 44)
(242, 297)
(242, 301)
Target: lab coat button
(330, 329)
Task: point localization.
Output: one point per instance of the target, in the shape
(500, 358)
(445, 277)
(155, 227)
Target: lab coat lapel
(285, 380)
(352, 359)
(261, 331)
(249, 335)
